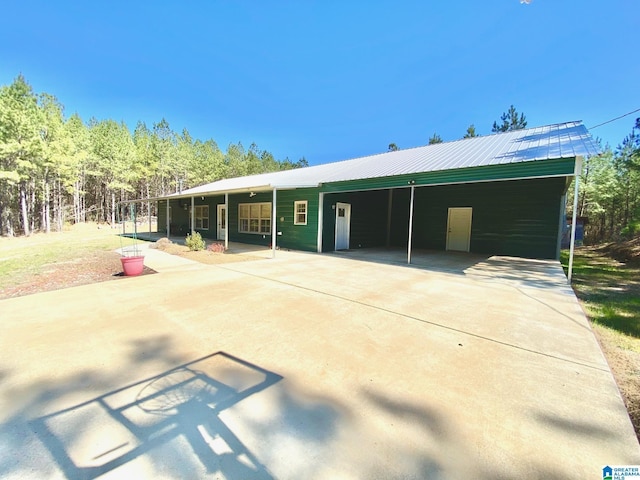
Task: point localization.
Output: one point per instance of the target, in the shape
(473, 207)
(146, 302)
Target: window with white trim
(300, 212)
(202, 217)
(254, 218)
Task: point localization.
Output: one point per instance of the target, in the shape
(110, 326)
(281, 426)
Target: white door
(343, 225)
(459, 229)
(222, 221)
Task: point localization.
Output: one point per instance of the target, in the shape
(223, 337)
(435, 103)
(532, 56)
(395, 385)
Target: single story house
(501, 194)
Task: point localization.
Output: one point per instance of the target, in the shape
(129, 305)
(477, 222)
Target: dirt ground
(625, 365)
(100, 266)
(203, 256)
(627, 252)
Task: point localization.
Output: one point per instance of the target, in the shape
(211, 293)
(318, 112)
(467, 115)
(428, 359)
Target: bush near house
(195, 242)
(216, 248)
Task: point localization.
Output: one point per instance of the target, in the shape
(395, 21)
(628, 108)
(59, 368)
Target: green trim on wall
(540, 168)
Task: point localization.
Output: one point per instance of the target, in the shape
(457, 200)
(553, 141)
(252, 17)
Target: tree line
(609, 196)
(509, 121)
(55, 169)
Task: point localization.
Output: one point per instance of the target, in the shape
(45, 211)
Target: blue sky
(330, 80)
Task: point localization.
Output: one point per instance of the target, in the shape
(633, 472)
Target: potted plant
(130, 257)
(132, 261)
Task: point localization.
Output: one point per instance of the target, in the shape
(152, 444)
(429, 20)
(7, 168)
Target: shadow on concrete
(424, 461)
(575, 427)
(448, 262)
(521, 271)
(174, 417)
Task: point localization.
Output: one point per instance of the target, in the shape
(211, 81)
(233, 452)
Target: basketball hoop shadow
(166, 423)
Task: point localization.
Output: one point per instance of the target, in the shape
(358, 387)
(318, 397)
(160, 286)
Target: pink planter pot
(132, 266)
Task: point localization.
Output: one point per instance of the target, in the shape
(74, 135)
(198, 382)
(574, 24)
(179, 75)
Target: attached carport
(518, 217)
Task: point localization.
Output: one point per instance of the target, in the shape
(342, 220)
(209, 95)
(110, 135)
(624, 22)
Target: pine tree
(509, 121)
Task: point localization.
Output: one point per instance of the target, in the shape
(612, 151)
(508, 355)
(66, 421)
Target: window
(300, 212)
(202, 217)
(254, 218)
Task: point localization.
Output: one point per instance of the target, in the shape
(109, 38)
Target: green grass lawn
(609, 290)
(24, 257)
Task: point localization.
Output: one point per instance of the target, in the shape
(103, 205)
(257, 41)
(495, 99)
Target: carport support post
(577, 172)
(226, 221)
(274, 226)
(410, 224)
(149, 217)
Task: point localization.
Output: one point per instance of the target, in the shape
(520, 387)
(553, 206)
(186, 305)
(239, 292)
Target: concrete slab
(310, 366)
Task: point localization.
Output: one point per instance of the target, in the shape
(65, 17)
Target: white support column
(320, 215)
(168, 226)
(226, 221)
(274, 225)
(149, 217)
(577, 172)
(193, 215)
(410, 224)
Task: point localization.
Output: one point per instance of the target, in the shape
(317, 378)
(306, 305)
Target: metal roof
(562, 140)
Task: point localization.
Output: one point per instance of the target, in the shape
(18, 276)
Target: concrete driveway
(310, 367)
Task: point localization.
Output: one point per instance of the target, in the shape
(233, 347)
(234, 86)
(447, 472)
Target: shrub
(194, 242)
(630, 231)
(216, 248)
(161, 244)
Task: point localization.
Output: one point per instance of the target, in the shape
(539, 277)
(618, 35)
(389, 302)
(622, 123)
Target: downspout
(410, 223)
(577, 172)
(193, 216)
(274, 225)
(561, 224)
(389, 208)
(226, 221)
(168, 227)
(320, 215)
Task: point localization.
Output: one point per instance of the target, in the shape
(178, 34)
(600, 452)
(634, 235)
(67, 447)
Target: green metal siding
(538, 168)
(297, 237)
(368, 219)
(234, 234)
(518, 218)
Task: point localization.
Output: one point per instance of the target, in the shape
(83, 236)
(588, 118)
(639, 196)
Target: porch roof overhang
(208, 192)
